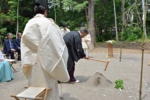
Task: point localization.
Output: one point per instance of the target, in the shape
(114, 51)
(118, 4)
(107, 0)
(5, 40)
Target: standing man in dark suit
(9, 47)
(17, 45)
(75, 50)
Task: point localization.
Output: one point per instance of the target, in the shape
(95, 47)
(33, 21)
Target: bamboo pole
(143, 46)
(141, 76)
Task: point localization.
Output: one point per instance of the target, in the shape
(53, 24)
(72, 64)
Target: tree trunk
(86, 14)
(91, 22)
(115, 20)
(139, 17)
(55, 10)
(61, 6)
(144, 6)
(17, 30)
(123, 25)
(123, 15)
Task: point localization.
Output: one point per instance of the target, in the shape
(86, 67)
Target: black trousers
(19, 55)
(11, 54)
(71, 73)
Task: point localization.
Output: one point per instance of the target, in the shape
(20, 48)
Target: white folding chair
(33, 93)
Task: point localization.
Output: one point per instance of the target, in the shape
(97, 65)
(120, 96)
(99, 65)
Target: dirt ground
(128, 70)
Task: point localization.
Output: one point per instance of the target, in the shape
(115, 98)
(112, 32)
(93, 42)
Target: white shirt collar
(39, 15)
(79, 32)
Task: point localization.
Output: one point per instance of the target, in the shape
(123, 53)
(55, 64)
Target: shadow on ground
(66, 96)
(82, 78)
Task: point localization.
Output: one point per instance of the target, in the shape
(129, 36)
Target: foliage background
(74, 12)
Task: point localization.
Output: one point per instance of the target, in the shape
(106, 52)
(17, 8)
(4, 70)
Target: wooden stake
(120, 52)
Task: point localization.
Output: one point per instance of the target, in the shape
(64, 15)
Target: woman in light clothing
(86, 42)
(6, 73)
(64, 30)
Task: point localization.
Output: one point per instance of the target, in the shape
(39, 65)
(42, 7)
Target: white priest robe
(86, 44)
(44, 55)
(64, 32)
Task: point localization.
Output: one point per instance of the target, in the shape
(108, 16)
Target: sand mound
(99, 80)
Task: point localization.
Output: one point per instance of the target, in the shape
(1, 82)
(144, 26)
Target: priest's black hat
(64, 24)
(82, 24)
(43, 3)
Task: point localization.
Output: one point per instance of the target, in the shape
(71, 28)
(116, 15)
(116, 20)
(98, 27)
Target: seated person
(17, 44)
(9, 47)
(6, 73)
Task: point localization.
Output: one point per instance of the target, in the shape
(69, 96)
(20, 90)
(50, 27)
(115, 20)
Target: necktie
(11, 44)
(19, 40)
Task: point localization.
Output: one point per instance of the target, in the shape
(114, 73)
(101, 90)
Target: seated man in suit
(9, 47)
(17, 45)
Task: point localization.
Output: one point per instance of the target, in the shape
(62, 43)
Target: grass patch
(141, 40)
(138, 41)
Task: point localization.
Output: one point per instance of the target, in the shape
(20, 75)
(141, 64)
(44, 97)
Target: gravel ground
(128, 70)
